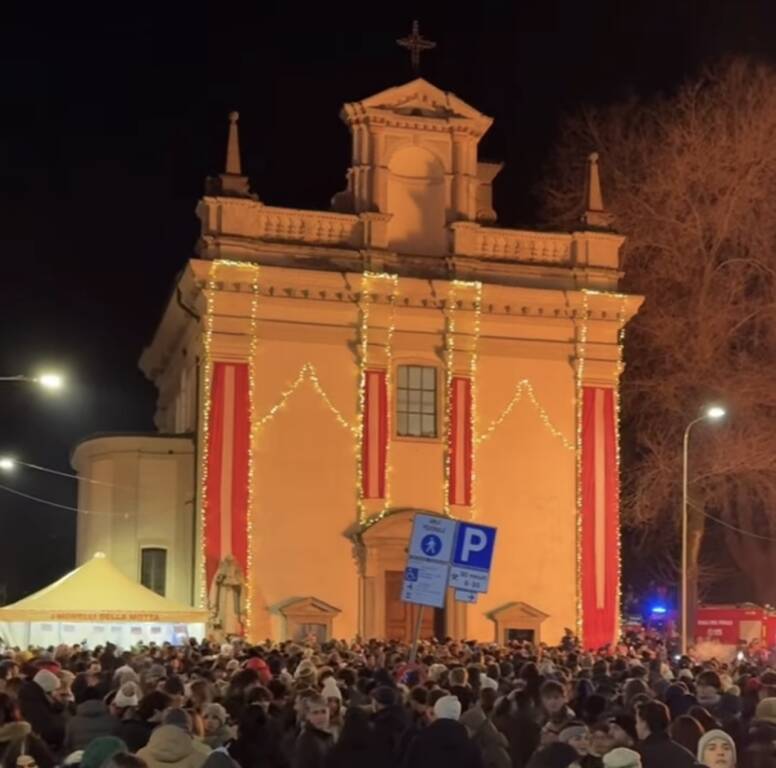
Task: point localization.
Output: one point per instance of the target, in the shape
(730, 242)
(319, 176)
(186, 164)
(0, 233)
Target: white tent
(96, 603)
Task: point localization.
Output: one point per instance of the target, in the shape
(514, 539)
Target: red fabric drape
(600, 518)
(460, 442)
(240, 463)
(374, 446)
(229, 402)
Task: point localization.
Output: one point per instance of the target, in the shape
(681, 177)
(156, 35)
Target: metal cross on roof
(415, 43)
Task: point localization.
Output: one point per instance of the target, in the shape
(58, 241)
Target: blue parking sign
(474, 546)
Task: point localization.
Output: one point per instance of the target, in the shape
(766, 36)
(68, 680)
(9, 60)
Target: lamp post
(710, 413)
(49, 380)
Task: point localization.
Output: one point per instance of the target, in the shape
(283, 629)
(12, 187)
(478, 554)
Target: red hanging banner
(226, 492)
(460, 442)
(375, 435)
(600, 524)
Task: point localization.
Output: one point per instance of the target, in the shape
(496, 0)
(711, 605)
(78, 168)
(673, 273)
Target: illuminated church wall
(291, 330)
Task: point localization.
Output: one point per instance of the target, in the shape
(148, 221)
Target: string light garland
(363, 363)
(252, 349)
(306, 373)
(525, 386)
(450, 331)
(207, 387)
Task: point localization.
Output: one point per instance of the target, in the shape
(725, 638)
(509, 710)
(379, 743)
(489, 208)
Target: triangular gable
(419, 99)
(308, 605)
(517, 610)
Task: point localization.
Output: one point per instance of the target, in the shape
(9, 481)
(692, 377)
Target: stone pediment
(517, 611)
(308, 607)
(416, 101)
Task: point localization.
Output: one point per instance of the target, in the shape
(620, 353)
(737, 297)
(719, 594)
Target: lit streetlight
(49, 380)
(7, 464)
(710, 413)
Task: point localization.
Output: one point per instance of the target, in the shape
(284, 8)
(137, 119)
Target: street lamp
(710, 413)
(7, 464)
(48, 380)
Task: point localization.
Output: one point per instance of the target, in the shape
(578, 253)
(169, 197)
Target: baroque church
(323, 376)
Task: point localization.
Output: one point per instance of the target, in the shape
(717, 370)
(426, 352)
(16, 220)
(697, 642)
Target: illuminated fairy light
(524, 386)
(449, 362)
(450, 331)
(620, 367)
(365, 520)
(306, 373)
(473, 413)
(363, 365)
(252, 351)
(207, 373)
(580, 370)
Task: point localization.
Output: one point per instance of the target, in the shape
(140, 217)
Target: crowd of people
(364, 705)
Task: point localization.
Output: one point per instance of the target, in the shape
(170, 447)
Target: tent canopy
(98, 592)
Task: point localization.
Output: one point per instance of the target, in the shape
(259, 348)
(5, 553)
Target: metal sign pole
(416, 635)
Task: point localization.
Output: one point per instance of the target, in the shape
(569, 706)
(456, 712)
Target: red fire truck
(731, 626)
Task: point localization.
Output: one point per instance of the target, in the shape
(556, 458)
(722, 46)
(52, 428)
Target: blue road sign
(474, 546)
(432, 538)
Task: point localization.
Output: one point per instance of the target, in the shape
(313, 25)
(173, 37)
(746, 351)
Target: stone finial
(595, 214)
(233, 146)
(231, 183)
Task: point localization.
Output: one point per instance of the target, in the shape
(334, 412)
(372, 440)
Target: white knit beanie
(447, 708)
(48, 681)
(330, 689)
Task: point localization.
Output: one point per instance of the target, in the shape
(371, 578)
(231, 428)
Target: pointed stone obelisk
(595, 216)
(231, 182)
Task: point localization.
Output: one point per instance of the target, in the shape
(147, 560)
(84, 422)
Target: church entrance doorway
(382, 612)
(400, 617)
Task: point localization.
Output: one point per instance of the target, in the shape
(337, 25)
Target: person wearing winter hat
(217, 731)
(445, 742)
(716, 749)
(622, 757)
(41, 710)
(125, 701)
(333, 695)
(766, 711)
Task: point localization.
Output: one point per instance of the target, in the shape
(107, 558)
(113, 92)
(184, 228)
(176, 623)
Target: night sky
(110, 126)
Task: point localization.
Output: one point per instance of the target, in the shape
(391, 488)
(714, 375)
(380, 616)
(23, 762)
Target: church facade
(339, 371)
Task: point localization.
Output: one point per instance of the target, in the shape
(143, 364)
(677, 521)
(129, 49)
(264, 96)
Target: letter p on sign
(474, 546)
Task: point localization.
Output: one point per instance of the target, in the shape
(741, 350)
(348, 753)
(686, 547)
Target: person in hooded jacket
(41, 710)
(356, 747)
(445, 742)
(492, 743)
(515, 716)
(256, 745)
(171, 747)
(91, 719)
(389, 721)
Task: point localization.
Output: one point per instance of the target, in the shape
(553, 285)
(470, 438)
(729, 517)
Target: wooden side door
(400, 617)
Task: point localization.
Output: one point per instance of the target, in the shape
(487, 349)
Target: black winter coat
(134, 732)
(311, 748)
(46, 716)
(91, 719)
(444, 743)
(389, 724)
(659, 751)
